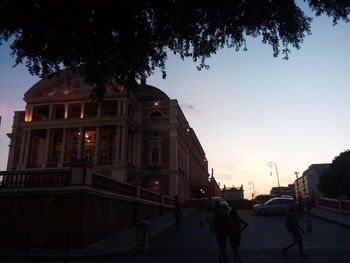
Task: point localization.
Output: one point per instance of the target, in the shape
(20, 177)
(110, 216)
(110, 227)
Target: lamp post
(252, 184)
(271, 165)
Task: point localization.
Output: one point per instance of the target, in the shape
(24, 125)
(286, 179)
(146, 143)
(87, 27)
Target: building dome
(62, 84)
(147, 93)
(74, 83)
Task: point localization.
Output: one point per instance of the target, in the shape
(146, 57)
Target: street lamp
(271, 165)
(251, 183)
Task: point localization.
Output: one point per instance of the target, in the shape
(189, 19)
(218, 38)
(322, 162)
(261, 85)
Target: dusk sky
(249, 108)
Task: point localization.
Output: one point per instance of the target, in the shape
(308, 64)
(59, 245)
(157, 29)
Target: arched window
(155, 155)
(155, 114)
(154, 185)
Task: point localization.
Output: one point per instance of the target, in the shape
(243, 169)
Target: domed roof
(67, 82)
(56, 85)
(149, 93)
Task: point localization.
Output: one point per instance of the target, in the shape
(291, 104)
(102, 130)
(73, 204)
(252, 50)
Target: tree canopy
(128, 39)
(335, 180)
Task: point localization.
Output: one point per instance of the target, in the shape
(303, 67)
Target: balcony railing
(79, 174)
(32, 178)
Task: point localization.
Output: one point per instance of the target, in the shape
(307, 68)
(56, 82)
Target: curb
(93, 255)
(167, 228)
(329, 220)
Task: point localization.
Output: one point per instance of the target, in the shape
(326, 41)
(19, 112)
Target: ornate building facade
(306, 186)
(233, 193)
(139, 137)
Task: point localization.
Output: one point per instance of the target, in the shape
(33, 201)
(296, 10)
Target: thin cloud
(189, 108)
(223, 177)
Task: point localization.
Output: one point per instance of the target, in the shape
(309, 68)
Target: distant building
(283, 190)
(208, 188)
(139, 137)
(307, 185)
(233, 193)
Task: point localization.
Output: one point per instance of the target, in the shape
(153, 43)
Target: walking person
(178, 218)
(293, 227)
(237, 226)
(220, 226)
(177, 214)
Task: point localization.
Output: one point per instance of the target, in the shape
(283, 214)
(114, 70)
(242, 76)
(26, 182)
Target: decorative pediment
(67, 85)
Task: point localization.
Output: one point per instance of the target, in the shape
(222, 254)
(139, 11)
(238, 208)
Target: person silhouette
(293, 227)
(227, 224)
(220, 226)
(237, 225)
(177, 214)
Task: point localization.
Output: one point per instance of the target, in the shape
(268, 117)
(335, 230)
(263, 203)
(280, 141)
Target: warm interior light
(156, 103)
(65, 91)
(27, 116)
(66, 112)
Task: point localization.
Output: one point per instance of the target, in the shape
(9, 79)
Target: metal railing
(334, 204)
(32, 178)
(65, 177)
(111, 185)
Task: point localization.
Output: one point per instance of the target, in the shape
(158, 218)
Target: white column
(81, 143)
(97, 144)
(117, 145)
(134, 150)
(27, 148)
(66, 109)
(173, 158)
(125, 106)
(120, 107)
(50, 111)
(23, 144)
(26, 113)
(99, 107)
(47, 147)
(138, 149)
(30, 114)
(63, 147)
(82, 110)
(124, 144)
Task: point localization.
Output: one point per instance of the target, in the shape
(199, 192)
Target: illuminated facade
(306, 186)
(140, 137)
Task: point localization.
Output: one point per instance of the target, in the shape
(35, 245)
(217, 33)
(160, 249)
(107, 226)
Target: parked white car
(214, 199)
(277, 205)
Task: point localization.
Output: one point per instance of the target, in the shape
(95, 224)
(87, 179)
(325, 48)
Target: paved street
(261, 242)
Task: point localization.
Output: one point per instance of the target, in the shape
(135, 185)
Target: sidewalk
(111, 245)
(334, 217)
